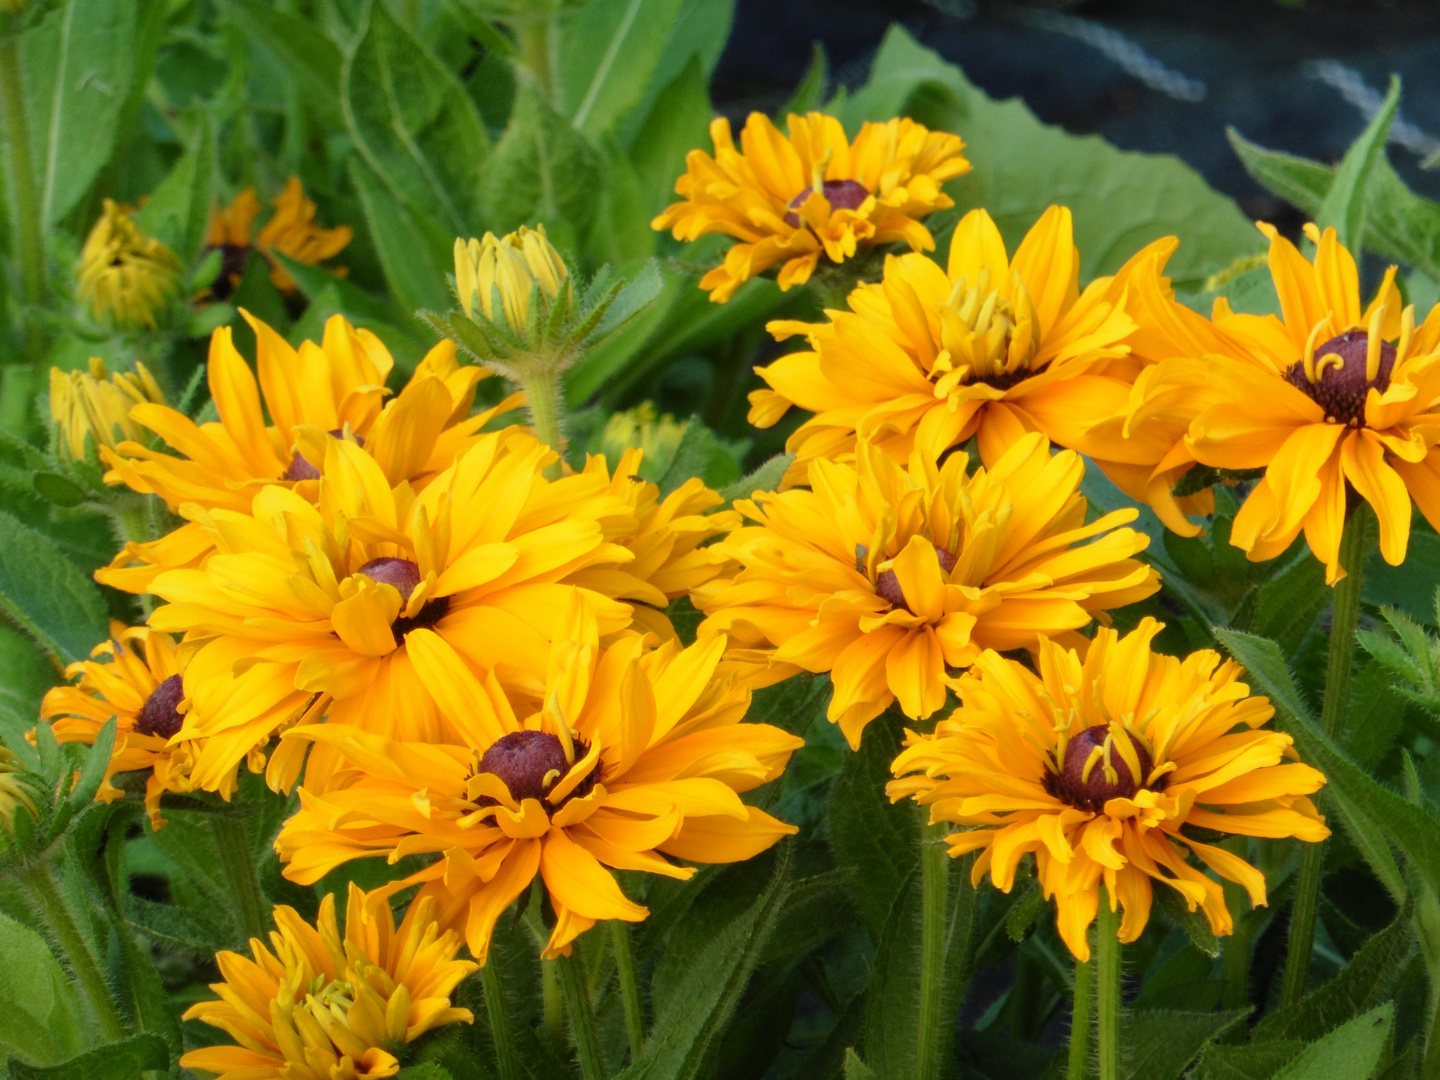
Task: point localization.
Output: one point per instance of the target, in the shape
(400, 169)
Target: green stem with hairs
(238, 862)
(534, 40)
(934, 887)
(507, 1060)
(30, 237)
(46, 896)
(1078, 1067)
(1107, 988)
(552, 1003)
(542, 394)
(582, 1018)
(629, 986)
(1341, 663)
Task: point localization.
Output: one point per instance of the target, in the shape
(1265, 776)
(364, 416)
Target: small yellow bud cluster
(98, 404)
(510, 265)
(124, 274)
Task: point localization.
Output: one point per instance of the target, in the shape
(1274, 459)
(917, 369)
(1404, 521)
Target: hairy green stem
(507, 1060)
(542, 394)
(1343, 620)
(534, 35)
(46, 896)
(1107, 988)
(934, 886)
(1080, 1016)
(1236, 960)
(238, 862)
(582, 1018)
(30, 237)
(629, 986)
(552, 1003)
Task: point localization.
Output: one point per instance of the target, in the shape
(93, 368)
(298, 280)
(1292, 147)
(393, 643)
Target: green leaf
(42, 1021)
(1120, 200)
(1026, 913)
(123, 1060)
(608, 53)
(855, 1069)
(1258, 1062)
(97, 760)
(178, 211)
(766, 477)
(634, 297)
(60, 490)
(810, 94)
(413, 123)
(1360, 985)
(620, 230)
(46, 595)
(312, 59)
(426, 1070)
(541, 169)
(1367, 836)
(25, 675)
(1409, 587)
(702, 454)
(1344, 205)
(1194, 923)
(1350, 1052)
(678, 123)
(1159, 1044)
(410, 246)
(77, 66)
(1287, 605)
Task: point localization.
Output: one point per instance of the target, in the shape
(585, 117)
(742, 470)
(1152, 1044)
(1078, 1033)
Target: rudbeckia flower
(889, 577)
(304, 603)
(634, 755)
(125, 275)
(792, 200)
(1330, 398)
(134, 677)
(291, 231)
(336, 386)
(97, 403)
(993, 347)
(1095, 767)
(17, 789)
(319, 1006)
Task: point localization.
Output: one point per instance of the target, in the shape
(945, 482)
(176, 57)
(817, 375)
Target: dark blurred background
(1164, 76)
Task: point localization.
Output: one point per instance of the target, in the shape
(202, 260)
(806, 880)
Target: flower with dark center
(300, 467)
(530, 763)
(160, 715)
(403, 576)
(887, 585)
(1095, 771)
(1341, 382)
(840, 194)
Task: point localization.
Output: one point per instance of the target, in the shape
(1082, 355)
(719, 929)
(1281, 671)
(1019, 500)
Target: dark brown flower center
(160, 715)
(1341, 388)
(1085, 781)
(403, 575)
(531, 763)
(887, 585)
(232, 268)
(300, 467)
(840, 194)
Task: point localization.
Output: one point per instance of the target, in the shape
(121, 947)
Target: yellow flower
(633, 756)
(1095, 767)
(292, 232)
(16, 791)
(335, 386)
(887, 577)
(97, 403)
(510, 266)
(790, 200)
(307, 602)
(316, 1006)
(640, 428)
(136, 678)
(229, 232)
(125, 275)
(1331, 397)
(994, 348)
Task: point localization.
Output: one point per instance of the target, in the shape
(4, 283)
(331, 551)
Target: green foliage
(123, 1060)
(46, 595)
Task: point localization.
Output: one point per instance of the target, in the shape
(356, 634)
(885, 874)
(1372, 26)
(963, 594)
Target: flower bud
(98, 404)
(14, 791)
(510, 265)
(126, 275)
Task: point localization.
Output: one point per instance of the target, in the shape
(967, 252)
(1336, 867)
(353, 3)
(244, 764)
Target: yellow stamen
(1322, 325)
(1111, 776)
(562, 727)
(817, 171)
(1097, 754)
(1330, 359)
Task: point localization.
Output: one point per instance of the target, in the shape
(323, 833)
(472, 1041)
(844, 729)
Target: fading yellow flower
(136, 678)
(316, 1006)
(16, 791)
(292, 232)
(889, 577)
(125, 275)
(97, 404)
(635, 755)
(1330, 398)
(658, 436)
(790, 200)
(508, 267)
(1095, 767)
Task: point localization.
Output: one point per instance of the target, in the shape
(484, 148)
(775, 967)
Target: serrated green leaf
(1410, 586)
(1350, 1052)
(1344, 205)
(766, 477)
(123, 1060)
(46, 595)
(1257, 1062)
(609, 52)
(1194, 923)
(192, 931)
(57, 489)
(426, 1070)
(42, 1021)
(406, 242)
(178, 211)
(702, 454)
(1026, 912)
(97, 760)
(855, 1069)
(312, 59)
(678, 123)
(1370, 840)
(1160, 1044)
(1287, 605)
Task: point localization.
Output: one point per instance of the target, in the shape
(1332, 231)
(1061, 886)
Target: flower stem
(542, 394)
(46, 896)
(934, 885)
(552, 1003)
(1343, 620)
(1079, 1065)
(239, 864)
(1107, 988)
(506, 1059)
(30, 241)
(629, 987)
(582, 1018)
(534, 35)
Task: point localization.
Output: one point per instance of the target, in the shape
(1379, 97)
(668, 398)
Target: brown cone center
(523, 760)
(300, 467)
(1341, 389)
(403, 575)
(160, 715)
(1093, 792)
(840, 194)
(887, 585)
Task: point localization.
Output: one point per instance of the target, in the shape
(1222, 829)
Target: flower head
(1095, 766)
(628, 756)
(507, 269)
(888, 577)
(658, 436)
(229, 232)
(16, 791)
(318, 1006)
(134, 677)
(97, 404)
(292, 232)
(125, 275)
(791, 200)
(1329, 398)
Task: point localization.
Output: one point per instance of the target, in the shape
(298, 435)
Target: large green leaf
(410, 246)
(1350, 1052)
(1257, 1062)
(77, 66)
(413, 123)
(678, 123)
(123, 1060)
(1344, 205)
(609, 51)
(46, 595)
(1121, 200)
(312, 59)
(1158, 1044)
(178, 211)
(42, 1021)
